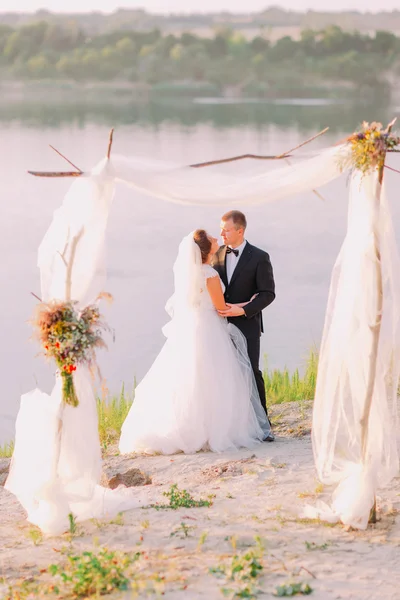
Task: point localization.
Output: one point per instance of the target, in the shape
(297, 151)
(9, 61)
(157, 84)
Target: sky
(188, 6)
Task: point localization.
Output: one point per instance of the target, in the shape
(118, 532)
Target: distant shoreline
(202, 93)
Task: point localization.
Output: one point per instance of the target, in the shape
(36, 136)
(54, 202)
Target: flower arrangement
(70, 337)
(369, 147)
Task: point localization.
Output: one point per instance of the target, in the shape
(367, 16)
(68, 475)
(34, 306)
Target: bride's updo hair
(201, 239)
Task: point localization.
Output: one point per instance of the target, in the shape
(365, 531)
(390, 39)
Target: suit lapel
(243, 260)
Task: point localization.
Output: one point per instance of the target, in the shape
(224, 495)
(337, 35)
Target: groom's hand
(233, 310)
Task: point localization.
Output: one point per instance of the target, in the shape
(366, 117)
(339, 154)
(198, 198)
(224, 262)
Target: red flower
(57, 344)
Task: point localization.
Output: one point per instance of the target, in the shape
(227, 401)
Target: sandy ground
(257, 493)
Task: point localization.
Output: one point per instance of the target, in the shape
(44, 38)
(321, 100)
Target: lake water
(302, 234)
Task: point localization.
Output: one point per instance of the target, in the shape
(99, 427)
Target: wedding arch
(355, 408)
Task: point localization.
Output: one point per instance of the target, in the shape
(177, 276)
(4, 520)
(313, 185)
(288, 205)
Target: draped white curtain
(241, 183)
(56, 466)
(347, 364)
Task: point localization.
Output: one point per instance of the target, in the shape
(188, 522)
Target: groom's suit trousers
(253, 350)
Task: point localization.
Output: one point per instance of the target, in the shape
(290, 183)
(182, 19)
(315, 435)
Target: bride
(200, 392)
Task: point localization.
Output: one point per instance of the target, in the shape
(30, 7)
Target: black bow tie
(235, 252)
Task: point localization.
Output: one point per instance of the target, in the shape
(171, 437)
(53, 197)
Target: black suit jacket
(253, 275)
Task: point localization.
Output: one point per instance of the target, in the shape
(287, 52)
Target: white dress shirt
(232, 260)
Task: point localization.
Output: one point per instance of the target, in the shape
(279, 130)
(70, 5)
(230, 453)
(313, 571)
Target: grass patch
(311, 546)
(7, 450)
(89, 574)
(242, 574)
(293, 589)
(283, 386)
(181, 499)
(112, 414)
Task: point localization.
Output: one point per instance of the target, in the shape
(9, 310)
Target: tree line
(330, 58)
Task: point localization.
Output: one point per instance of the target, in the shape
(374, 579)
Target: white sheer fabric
(56, 466)
(200, 392)
(243, 183)
(75, 240)
(345, 361)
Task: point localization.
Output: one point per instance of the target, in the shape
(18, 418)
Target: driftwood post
(376, 327)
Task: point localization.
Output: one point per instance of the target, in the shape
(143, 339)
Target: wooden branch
(63, 258)
(110, 141)
(392, 169)
(311, 139)
(65, 158)
(376, 330)
(56, 173)
(37, 297)
(235, 158)
(68, 277)
(316, 192)
(390, 126)
(257, 156)
(197, 165)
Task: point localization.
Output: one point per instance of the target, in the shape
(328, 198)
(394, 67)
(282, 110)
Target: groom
(245, 271)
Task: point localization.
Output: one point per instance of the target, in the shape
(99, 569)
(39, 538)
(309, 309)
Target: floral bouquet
(369, 147)
(70, 337)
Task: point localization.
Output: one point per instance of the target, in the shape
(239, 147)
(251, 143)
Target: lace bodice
(206, 302)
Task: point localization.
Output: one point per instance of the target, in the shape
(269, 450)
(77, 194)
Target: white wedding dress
(200, 393)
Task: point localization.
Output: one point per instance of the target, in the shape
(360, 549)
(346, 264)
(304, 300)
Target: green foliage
(6, 451)
(112, 414)
(44, 50)
(242, 574)
(183, 531)
(313, 546)
(283, 386)
(293, 589)
(35, 535)
(94, 573)
(181, 499)
(89, 574)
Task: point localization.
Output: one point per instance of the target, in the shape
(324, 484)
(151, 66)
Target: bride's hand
(233, 310)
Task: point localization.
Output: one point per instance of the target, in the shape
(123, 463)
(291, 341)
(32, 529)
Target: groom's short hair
(238, 218)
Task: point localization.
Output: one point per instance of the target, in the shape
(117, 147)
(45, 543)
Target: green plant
(183, 531)
(242, 574)
(35, 535)
(111, 415)
(92, 573)
(293, 589)
(118, 520)
(202, 540)
(283, 386)
(72, 524)
(181, 499)
(7, 450)
(314, 546)
(85, 575)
